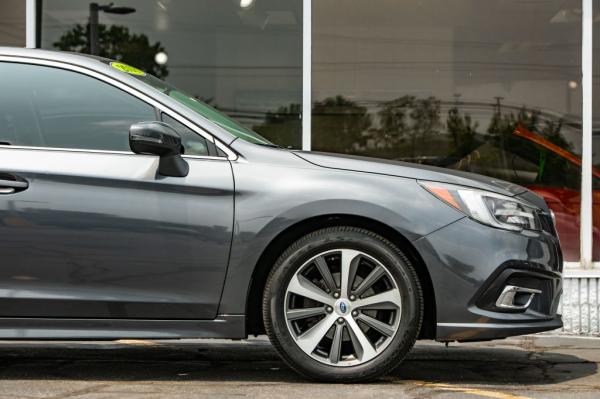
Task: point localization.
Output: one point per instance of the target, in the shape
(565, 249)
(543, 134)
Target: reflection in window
(490, 87)
(51, 107)
(245, 62)
(12, 22)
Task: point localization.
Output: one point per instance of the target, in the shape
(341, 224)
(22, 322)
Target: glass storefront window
(12, 23)
(243, 58)
(489, 87)
(492, 87)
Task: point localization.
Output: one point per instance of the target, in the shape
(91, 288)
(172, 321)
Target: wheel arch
(284, 239)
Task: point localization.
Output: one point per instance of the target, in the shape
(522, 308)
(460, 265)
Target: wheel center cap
(342, 307)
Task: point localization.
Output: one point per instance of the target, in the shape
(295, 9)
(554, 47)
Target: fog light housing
(517, 298)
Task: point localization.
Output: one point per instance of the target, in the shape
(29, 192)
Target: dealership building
(504, 88)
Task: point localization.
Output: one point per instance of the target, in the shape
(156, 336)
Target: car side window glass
(50, 107)
(193, 143)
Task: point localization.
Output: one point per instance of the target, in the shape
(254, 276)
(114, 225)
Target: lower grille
(545, 302)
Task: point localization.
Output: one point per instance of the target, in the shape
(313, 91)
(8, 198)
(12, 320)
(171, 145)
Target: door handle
(10, 183)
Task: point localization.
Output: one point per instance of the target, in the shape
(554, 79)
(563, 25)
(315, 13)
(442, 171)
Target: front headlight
(486, 207)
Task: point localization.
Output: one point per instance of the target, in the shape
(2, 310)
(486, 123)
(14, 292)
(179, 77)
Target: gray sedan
(129, 209)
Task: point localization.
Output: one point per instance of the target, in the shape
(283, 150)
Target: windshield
(195, 105)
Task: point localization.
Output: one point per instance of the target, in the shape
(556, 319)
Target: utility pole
(94, 11)
(94, 8)
(498, 104)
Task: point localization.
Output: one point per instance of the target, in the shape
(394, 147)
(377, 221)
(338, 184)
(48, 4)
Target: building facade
(505, 88)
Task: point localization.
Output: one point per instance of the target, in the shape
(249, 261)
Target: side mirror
(159, 138)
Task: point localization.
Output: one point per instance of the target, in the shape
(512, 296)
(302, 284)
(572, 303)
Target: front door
(88, 229)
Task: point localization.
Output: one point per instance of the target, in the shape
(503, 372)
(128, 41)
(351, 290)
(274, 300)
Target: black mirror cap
(156, 138)
(159, 138)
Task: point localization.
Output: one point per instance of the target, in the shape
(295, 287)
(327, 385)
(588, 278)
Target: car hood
(410, 170)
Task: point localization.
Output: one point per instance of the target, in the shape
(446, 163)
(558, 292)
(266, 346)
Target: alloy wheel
(343, 307)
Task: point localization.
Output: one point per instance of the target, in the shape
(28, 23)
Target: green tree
(426, 122)
(283, 127)
(339, 125)
(463, 132)
(393, 123)
(411, 120)
(118, 43)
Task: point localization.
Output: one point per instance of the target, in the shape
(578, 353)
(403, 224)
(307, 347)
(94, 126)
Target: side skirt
(224, 326)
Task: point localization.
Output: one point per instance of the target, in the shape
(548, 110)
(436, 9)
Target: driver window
(57, 108)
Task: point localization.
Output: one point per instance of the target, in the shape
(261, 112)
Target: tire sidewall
(374, 246)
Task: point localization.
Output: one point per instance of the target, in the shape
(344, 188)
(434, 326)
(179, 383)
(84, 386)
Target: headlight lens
(486, 207)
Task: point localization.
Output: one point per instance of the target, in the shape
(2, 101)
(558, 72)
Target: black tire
(372, 244)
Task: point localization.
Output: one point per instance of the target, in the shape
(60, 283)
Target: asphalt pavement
(539, 366)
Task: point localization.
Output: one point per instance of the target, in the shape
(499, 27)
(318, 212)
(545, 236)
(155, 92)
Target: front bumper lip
(464, 257)
(488, 331)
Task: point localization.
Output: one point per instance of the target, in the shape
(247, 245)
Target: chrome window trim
(60, 149)
(231, 155)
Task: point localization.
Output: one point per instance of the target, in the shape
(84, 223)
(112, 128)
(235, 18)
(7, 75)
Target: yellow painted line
(470, 391)
(139, 342)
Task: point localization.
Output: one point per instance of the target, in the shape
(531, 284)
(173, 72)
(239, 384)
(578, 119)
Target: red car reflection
(566, 202)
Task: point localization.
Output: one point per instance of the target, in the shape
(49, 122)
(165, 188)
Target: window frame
(156, 105)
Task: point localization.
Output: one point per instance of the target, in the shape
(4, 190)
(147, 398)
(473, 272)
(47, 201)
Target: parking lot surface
(525, 367)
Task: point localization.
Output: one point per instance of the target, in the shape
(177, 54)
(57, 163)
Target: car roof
(83, 60)
(102, 65)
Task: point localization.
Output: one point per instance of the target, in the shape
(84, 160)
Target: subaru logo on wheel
(343, 307)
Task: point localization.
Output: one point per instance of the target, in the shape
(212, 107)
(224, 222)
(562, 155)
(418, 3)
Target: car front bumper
(471, 264)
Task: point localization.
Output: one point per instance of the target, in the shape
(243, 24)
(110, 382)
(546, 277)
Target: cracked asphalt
(525, 367)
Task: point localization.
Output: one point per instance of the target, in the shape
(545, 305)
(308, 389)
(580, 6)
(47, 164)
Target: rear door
(87, 228)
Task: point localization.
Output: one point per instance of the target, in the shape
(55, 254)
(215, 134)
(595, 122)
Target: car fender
(271, 198)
